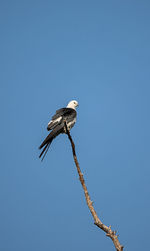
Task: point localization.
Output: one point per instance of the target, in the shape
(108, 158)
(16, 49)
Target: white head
(72, 104)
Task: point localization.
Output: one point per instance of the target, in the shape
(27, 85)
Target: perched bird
(57, 126)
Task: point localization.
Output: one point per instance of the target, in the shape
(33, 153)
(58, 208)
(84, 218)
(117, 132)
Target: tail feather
(44, 151)
(48, 140)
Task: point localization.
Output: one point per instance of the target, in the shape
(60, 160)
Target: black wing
(61, 114)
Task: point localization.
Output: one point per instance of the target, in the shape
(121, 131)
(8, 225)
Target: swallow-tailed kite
(56, 124)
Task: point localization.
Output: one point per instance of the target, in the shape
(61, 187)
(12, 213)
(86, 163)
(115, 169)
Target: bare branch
(109, 232)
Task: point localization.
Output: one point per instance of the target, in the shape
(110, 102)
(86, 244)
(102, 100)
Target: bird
(56, 125)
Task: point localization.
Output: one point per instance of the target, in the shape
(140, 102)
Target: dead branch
(109, 232)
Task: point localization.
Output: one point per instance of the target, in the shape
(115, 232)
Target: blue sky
(97, 52)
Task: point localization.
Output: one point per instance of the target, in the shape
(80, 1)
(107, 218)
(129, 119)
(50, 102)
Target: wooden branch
(109, 232)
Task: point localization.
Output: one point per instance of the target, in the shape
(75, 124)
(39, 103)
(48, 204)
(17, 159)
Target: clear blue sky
(97, 52)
